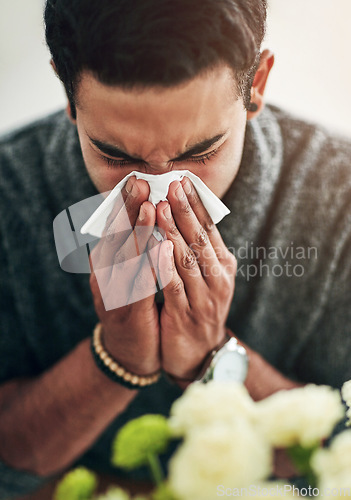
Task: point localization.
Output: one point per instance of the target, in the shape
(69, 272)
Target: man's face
(197, 126)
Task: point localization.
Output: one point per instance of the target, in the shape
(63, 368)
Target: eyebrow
(116, 152)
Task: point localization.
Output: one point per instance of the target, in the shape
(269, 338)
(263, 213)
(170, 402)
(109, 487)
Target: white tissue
(158, 191)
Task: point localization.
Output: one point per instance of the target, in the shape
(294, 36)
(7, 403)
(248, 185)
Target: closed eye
(121, 162)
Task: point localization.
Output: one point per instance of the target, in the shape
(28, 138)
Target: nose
(158, 167)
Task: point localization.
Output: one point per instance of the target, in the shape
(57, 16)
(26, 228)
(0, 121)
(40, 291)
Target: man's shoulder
(315, 160)
(301, 135)
(35, 133)
(40, 158)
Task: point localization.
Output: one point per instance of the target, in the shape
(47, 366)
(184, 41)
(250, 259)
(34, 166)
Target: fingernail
(180, 193)
(130, 184)
(187, 186)
(142, 213)
(170, 248)
(167, 212)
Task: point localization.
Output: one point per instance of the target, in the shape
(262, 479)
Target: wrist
(263, 379)
(191, 376)
(128, 353)
(116, 371)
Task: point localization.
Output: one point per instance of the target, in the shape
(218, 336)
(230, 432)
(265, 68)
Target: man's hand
(121, 276)
(201, 274)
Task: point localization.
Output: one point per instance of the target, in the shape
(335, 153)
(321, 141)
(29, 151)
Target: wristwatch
(229, 363)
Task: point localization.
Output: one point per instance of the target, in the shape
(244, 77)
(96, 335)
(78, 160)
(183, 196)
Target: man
(156, 86)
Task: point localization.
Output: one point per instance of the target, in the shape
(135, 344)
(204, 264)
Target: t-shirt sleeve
(15, 483)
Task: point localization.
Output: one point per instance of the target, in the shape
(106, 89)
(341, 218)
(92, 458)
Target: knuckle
(201, 238)
(185, 209)
(110, 234)
(211, 307)
(119, 258)
(189, 260)
(208, 225)
(176, 287)
(194, 197)
(173, 230)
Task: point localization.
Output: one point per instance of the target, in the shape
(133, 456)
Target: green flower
(139, 439)
(114, 494)
(78, 484)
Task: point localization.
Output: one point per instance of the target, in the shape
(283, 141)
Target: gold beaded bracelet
(114, 370)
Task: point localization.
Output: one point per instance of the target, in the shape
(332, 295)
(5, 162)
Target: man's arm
(263, 379)
(49, 421)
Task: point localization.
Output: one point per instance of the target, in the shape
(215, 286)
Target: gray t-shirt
(290, 228)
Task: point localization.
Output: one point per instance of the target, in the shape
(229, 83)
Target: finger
(135, 192)
(135, 244)
(185, 259)
(137, 241)
(144, 284)
(205, 219)
(175, 297)
(194, 234)
(117, 206)
(133, 279)
(121, 226)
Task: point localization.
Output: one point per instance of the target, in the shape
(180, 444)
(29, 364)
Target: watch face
(232, 366)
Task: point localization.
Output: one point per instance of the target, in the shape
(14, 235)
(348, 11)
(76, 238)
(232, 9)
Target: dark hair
(133, 43)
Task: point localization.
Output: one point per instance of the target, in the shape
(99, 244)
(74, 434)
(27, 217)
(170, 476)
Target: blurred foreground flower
(232, 454)
(204, 404)
(78, 484)
(227, 443)
(346, 395)
(114, 494)
(138, 438)
(140, 442)
(302, 416)
(333, 465)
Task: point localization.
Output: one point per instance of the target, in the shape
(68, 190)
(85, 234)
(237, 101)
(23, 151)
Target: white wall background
(310, 38)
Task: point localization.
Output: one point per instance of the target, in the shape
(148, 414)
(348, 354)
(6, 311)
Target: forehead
(137, 118)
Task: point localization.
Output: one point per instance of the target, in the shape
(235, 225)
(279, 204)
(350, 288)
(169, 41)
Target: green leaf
(78, 484)
(301, 458)
(139, 439)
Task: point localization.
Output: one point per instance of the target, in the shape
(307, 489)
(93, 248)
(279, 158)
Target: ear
(68, 107)
(53, 65)
(69, 113)
(259, 82)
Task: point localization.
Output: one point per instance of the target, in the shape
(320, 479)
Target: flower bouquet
(227, 443)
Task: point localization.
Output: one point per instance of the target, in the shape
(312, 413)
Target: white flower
(300, 416)
(272, 489)
(333, 465)
(114, 494)
(230, 454)
(202, 404)
(346, 396)
(266, 489)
